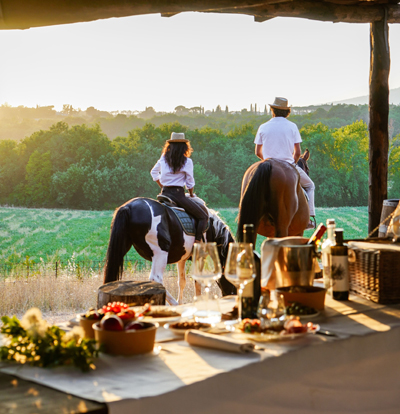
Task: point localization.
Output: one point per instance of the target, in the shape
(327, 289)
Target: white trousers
(309, 187)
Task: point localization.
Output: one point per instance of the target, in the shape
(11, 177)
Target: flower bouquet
(33, 341)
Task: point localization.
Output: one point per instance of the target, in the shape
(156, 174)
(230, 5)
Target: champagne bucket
(294, 265)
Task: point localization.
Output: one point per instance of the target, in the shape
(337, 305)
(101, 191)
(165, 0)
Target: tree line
(79, 167)
(16, 123)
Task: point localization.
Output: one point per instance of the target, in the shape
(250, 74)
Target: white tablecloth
(357, 372)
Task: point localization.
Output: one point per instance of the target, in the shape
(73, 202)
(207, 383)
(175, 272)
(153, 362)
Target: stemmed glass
(206, 268)
(240, 268)
(271, 310)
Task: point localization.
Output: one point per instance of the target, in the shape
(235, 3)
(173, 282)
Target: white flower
(33, 323)
(32, 316)
(77, 333)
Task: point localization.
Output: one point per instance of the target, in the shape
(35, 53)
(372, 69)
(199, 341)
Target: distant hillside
(394, 98)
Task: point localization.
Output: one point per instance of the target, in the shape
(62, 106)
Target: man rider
(279, 138)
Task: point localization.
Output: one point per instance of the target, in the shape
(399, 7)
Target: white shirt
(162, 171)
(278, 136)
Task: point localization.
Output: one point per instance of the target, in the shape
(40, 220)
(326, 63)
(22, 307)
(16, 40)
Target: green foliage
(38, 178)
(207, 184)
(394, 168)
(11, 169)
(338, 163)
(33, 342)
(68, 185)
(351, 163)
(79, 167)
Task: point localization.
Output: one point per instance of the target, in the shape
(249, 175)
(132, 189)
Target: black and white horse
(157, 235)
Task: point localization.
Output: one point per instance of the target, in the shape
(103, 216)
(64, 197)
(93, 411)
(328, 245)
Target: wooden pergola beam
(322, 11)
(23, 14)
(378, 121)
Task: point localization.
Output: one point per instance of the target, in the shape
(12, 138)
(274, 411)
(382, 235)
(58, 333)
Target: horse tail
(117, 246)
(254, 197)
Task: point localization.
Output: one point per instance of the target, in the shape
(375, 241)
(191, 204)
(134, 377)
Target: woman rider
(172, 172)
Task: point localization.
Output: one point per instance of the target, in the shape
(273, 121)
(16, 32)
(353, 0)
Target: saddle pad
(187, 222)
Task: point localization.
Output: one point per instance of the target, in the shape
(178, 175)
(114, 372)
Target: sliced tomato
(127, 314)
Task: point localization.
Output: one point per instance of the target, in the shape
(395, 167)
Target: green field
(82, 236)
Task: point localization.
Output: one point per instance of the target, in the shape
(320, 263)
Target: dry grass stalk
(63, 296)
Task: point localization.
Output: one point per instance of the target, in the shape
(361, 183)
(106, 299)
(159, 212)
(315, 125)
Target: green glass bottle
(339, 268)
(252, 291)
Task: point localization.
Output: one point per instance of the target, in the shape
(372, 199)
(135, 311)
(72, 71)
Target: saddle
(187, 221)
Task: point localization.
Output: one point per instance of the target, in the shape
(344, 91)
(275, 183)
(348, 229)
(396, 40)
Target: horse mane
(258, 188)
(223, 234)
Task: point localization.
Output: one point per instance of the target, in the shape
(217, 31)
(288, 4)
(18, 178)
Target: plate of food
(179, 328)
(158, 313)
(302, 311)
(291, 329)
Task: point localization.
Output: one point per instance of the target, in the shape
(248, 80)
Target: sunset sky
(190, 59)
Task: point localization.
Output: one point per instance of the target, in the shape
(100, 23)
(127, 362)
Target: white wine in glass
(240, 268)
(206, 268)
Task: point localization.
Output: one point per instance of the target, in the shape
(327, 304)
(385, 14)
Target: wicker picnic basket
(374, 268)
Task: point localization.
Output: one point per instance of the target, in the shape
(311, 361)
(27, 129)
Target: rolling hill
(394, 98)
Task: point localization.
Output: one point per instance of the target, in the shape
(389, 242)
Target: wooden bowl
(87, 324)
(127, 342)
(311, 296)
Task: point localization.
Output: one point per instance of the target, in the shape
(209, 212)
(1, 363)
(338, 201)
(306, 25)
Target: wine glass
(263, 309)
(240, 268)
(271, 309)
(206, 268)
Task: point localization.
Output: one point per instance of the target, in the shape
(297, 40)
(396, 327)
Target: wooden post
(378, 121)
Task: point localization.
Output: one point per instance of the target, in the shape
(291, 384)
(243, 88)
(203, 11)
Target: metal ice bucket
(295, 263)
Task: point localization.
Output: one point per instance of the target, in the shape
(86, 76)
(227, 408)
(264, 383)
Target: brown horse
(273, 200)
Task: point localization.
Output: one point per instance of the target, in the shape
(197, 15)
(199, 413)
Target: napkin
(207, 340)
(269, 253)
(374, 246)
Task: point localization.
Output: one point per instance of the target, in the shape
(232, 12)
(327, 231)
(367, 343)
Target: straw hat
(280, 103)
(177, 137)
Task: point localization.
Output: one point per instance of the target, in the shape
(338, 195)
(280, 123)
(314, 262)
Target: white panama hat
(177, 137)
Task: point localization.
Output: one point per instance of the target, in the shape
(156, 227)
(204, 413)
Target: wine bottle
(339, 268)
(326, 252)
(252, 291)
(317, 235)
